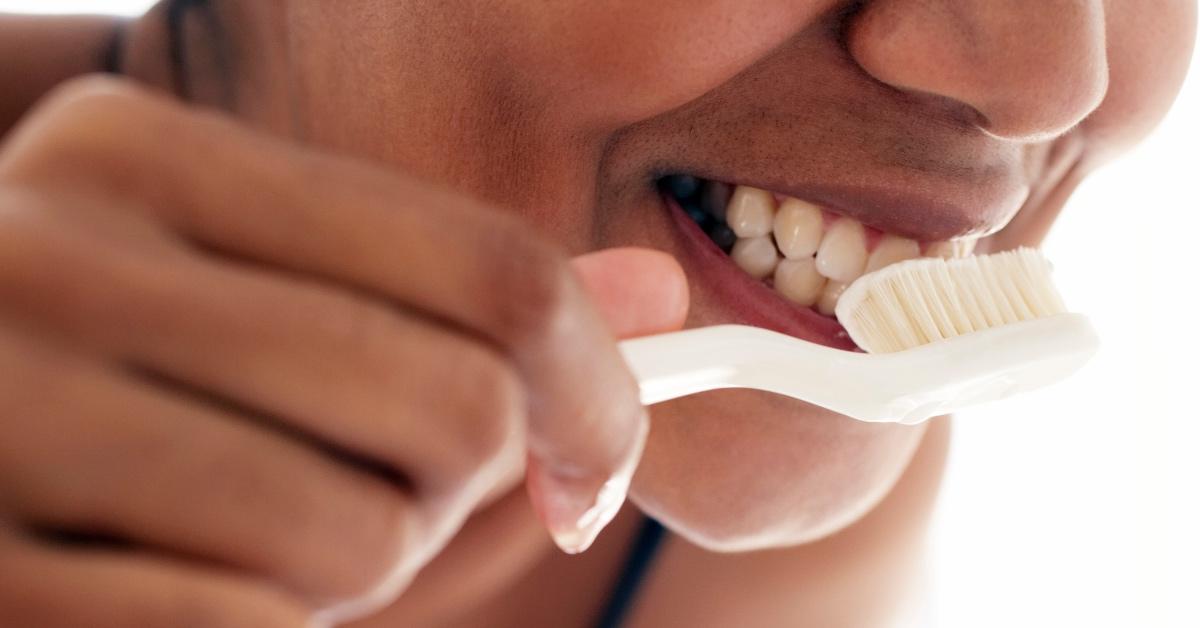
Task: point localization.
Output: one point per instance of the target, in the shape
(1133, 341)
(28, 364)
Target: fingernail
(574, 521)
(571, 508)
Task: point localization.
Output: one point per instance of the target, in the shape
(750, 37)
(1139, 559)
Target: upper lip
(889, 166)
(808, 125)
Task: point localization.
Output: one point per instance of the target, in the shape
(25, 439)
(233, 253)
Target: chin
(739, 470)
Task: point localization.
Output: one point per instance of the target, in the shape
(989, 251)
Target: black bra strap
(637, 564)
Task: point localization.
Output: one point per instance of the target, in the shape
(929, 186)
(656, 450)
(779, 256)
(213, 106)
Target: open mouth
(803, 252)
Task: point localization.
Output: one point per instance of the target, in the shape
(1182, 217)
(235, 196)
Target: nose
(1031, 69)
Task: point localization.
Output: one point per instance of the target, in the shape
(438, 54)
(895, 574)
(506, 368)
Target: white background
(1077, 506)
(124, 7)
(1080, 505)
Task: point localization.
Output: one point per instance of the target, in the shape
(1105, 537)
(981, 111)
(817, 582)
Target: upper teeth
(842, 255)
(811, 255)
(892, 249)
(750, 212)
(798, 228)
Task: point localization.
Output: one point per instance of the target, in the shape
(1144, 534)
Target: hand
(272, 380)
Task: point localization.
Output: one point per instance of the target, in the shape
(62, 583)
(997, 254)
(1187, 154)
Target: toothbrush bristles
(924, 300)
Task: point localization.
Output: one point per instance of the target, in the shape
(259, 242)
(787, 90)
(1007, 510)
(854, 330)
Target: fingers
(471, 267)
(92, 451)
(436, 407)
(61, 588)
(639, 292)
(443, 412)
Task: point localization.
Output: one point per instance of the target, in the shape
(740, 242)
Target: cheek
(1148, 52)
(619, 61)
(739, 470)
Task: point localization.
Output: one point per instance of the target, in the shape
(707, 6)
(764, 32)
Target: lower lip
(751, 301)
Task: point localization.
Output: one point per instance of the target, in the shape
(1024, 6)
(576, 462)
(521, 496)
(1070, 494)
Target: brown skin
(563, 114)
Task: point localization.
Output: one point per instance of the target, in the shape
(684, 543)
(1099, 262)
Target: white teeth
(842, 255)
(756, 256)
(810, 265)
(951, 249)
(829, 297)
(892, 249)
(751, 212)
(798, 228)
(799, 281)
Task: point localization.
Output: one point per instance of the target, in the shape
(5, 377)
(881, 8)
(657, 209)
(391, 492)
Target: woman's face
(928, 119)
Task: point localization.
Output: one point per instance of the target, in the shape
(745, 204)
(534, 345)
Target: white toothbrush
(944, 335)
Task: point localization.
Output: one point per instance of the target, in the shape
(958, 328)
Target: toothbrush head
(921, 301)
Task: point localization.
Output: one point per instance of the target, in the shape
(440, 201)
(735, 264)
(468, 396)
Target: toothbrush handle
(904, 387)
(673, 365)
(682, 363)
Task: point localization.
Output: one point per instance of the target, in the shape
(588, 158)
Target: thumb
(638, 291)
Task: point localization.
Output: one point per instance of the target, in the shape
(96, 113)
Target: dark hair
(177, 13)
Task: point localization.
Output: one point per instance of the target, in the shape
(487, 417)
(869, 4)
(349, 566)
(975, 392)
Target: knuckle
(72, 123)
(94, 92)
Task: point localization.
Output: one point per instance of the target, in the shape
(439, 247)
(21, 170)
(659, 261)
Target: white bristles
(924, 300)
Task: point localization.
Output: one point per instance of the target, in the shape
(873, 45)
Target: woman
(311, 317)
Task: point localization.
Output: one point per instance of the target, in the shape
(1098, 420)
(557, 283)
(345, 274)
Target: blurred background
(1079, 505)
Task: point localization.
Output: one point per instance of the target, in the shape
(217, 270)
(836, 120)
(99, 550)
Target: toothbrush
(941, 335)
